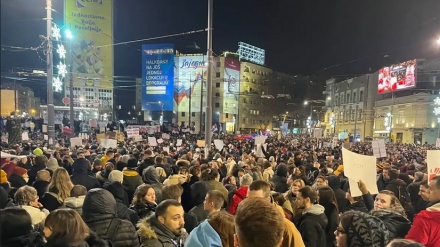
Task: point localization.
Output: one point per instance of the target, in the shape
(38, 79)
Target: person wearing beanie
(116, 176)
(80, 175)
(19, 177)
(52, 164)
(37, 151)
(361, 229)
(123, 212)
(280, 178)
(97, 166)
(132, 179)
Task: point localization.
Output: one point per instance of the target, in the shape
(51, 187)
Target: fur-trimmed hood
(151, 229)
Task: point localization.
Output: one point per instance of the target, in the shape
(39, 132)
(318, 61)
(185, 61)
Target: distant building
(19, 99)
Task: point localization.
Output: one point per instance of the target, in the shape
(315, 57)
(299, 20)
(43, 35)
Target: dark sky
(300, 37)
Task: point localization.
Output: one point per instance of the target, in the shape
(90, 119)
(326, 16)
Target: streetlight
(309, 119)
(69, 36)
(438, 41)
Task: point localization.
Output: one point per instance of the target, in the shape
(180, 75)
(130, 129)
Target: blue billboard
(157, 77)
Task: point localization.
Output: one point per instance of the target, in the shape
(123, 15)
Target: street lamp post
(310, 118)
(49, 58)
(71, 117)
(208, 112)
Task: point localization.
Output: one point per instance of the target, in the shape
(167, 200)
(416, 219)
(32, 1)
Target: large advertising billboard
(231, 86)
(91, 24)
(397, 77)
(190, 72)
(157, 77)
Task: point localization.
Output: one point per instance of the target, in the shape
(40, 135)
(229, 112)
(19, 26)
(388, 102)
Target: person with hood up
(52, 164)
(280, 179)
(361, 229)
(5, 200)
(165, 227)
(20, 230)
(218, 230)
(80, 174)
(334, 182)
(313, 222)
(99, 213)
(123, 212)
(132, 179)
(76, 199)
(40, 162)
(151, 177)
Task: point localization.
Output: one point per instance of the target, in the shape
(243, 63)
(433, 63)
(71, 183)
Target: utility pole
(208, 112)
(72, 118)
(49, 61)
(190, 94)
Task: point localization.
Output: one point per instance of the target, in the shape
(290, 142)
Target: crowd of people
(292, 193)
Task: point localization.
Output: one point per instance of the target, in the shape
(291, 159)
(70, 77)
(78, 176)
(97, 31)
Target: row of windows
(253, 121)
(349, 115)
(350, 98)
(193, 114)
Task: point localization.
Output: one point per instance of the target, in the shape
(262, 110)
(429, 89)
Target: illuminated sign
(397, 77)
(251, 53)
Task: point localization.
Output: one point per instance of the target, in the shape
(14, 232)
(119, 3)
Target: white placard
(433, 160)
(25, 136)
(166, 149)
(379, 148)
(360, 167)
(165, 136)
(137, 138)
(179, 142)
(437, 143)
(44, 128)
(159, 141)
(152, 141)
(46, 137)
(260, 140)
(132, 132)
(317, 133)
(219, 144)
(109, 143)
(77, 141)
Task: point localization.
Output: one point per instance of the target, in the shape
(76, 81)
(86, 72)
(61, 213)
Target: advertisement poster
(231, 86)
(91, 24)
(397, 77)
(191, 72)
(157, 77)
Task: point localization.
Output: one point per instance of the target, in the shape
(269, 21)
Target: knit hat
(97, 162)
(37, 151)
(3, 176)
(52, 164)
(19, 171)
(116, 176)
(364, 229)
(132, 163)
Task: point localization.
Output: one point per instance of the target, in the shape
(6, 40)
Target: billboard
(397, 77)
(157, 77)
(231, 85)
(91, 24)
(190, 72)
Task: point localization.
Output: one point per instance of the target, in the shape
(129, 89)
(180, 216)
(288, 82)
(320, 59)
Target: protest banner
(433, 160)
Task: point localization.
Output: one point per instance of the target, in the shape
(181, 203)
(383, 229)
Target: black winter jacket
(312, 225)
(99, 209)
(33, 239)
(80, 175)
(144, 209)
(123, 212)
(397, 224)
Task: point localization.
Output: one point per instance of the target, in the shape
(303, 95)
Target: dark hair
(172, 192)
(260, 185)
(393, 173)
(140, 193)
(404, 243)
(109, 151)
(266, 164)
(209, 174)
(436, 179)
(78, 190)
(15, 222)
(194, 170)
(327, 197)
(223, 224)
(162, 208)
(158, 160)
(424, 184)
(308, 192)
(217, 198)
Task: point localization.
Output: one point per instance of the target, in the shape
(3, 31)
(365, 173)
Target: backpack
(405, 200)
(111, 230)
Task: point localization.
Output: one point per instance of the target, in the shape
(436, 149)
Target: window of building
(348, 99)
(353, 115)
(227, 115)
(354, 97)
(336, 100)
(244, 120)
(217, 84)
(193, 114)
(217, 94)
(342, 99)
(360, 114)
(217, 74)
(183, 114)
(244, 100)
(361, 96)
(341, 116)
(217, 105)
(218, 64)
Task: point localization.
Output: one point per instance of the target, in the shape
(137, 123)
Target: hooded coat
(32, 239)
(426, 226)
(312, 225)
(99, 209)
(204, 236)
(80, 175)
(365, 230)
(91, 241)
(280, 179)
(153, 234)
(151, 177)
(238, 196)
(198, 193)
(75, 203)
(335, 183)
(123, 212)
(131, 180)
(397, 224)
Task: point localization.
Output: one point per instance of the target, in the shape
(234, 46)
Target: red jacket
(426, 227)
(239, 195)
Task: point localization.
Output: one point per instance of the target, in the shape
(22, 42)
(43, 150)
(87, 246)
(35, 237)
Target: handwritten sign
(260, 140)
(77, 141)
(152, 141)
(137, 138)
(219, 144)
(25, 136)
(165, 136)
(179, 142)
(360, 167)
(433, 160)
(109, 143)
(201, 143)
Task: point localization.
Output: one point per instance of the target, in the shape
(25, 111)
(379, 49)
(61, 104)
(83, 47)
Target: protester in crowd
(165, 227)
(252, 219)
(198, 194)
(144, 201)
(426, 224)
(97, 166)
(118, 192)
(19, 177)
(214, 201)
(80, 169)
(361, 229)
(42, 182)
(76, 199)
(40, 162)
(26, 197)
(334, 182)
(147, 161)
(268, 170)
(327, 199)
(132, 179)
(151, 177)
(99, 213)
(109, 154)
(175, 192)
(103, 174)
(58, 190)
(240, 193)
(64, 227)
(280, 179)
(291, 235)
(211, 177)
(404, 243)
(424, 197)
(17, 229)
(292, 194)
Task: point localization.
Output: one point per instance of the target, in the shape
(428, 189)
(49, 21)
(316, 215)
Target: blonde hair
(60, 184)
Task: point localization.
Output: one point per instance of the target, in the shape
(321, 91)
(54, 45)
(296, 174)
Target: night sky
(322, 37)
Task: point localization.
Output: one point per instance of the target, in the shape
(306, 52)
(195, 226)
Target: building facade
(19, 99)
